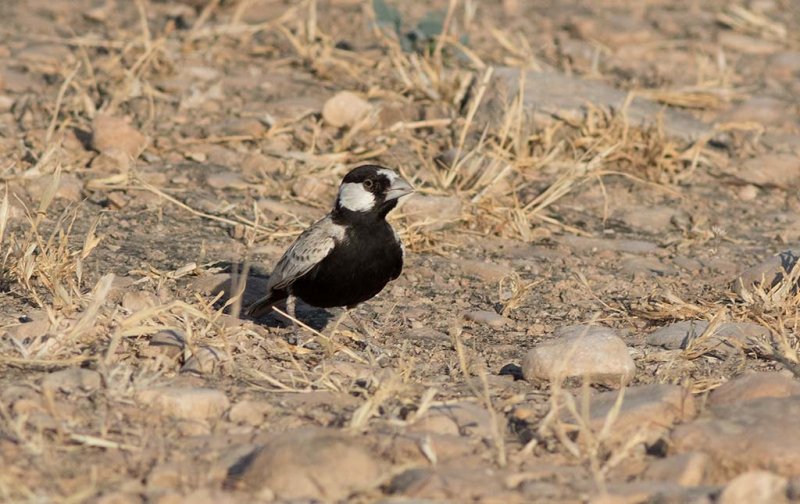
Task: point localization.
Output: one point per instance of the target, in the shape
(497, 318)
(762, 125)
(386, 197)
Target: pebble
(767, 273)
(753, 386)
(686, 469)
(490, 318)
(249, 412)
(310, 464)
(114, 136)
(226, 180)
(136, 301)
(581, 351)
(728, 338)
(204, 360)
(431, 212)
(187, 403)
(755, 487)
(168, 342)
(345, 109)
(754, 434)
(747, 192)
(455, 419)
(71, 380)
(450, 484)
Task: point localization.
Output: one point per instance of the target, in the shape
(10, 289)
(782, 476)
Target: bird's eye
(368, 184)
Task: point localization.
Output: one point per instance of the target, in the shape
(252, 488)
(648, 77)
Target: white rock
(345, 109)
(596, 353)
(755, 487)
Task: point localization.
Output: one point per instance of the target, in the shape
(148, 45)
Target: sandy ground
(600, 187)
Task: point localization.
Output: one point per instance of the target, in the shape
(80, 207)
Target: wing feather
(311, 247)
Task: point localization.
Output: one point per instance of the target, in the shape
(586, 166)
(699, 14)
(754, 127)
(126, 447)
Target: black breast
(355, 270)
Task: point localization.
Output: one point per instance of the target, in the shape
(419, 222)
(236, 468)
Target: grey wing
(311, 247)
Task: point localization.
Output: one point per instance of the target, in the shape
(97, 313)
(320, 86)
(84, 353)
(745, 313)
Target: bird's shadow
(255, 288)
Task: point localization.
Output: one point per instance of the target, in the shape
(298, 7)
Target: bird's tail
(264, 305)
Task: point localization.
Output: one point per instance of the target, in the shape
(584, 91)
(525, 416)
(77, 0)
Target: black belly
(353, 272)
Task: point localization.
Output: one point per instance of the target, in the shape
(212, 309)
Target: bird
(348, 256)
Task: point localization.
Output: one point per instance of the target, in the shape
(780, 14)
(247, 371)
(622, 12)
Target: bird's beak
(398, 189)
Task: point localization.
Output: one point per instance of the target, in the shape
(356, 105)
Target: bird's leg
(291, 310)
(336, 324)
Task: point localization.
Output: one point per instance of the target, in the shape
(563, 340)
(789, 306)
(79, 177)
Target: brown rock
(770, 170)
(186, 402)
(753, 386)
(113, 135)
(205, 359)
(647, 410)
(315, 464)
(755, 487)
(596, 353)
(686, 469)
(310, 188)
(654, 219)
(431, 212)
(345, 109)
(746, 435)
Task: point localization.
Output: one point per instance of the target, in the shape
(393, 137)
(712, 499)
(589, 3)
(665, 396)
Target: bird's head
(370, 190)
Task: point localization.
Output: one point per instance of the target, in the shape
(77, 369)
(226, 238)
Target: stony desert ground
(600, 300)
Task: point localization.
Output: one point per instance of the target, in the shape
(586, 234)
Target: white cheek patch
(355, 198)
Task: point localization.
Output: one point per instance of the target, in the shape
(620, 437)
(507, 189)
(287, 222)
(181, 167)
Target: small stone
(486, 271)
(112, 135)
(596, 353)
(686, 469)
(71, 380)
(766, 274)
(204, 360)
(226, 180)
(186, 402)
(490, 318)
(729, 337)
(249, 412)
(748, 192)
(455, 419)
(755, 487)
(431, 212)
(309, 464)
(345, 109)
(168, 342)
(137, 301)
(753, 386)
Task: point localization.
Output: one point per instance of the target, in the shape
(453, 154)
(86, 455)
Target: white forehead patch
(354, 197)
(392, 176)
